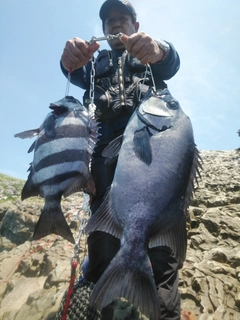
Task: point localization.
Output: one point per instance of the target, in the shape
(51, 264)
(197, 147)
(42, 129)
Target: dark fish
(147, 201)
(62, 153)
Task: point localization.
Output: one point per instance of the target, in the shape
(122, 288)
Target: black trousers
(102, 247)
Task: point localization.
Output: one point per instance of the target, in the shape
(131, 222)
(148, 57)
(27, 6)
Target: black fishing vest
(120, 82)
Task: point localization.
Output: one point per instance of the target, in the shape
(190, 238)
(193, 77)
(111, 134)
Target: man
(118, 77)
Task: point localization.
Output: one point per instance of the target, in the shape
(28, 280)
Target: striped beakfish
(147, 201)
(60, 166)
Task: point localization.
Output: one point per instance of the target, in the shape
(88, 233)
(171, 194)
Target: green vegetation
(10, 188)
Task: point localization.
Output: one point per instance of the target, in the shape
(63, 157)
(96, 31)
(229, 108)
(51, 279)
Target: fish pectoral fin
(32, 147)
(142, 147)
(175, 238)
(103, 220)
(51, 221)
(112, 150)
(27, 134)
(130, 279)
(81, 182)
(49, 127)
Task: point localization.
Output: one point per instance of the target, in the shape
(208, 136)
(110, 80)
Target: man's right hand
(77, 53)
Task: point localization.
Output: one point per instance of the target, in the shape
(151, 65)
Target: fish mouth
(58, 109)
(54, 106)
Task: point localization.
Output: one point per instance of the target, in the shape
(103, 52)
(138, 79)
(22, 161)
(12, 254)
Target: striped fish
(60, 167)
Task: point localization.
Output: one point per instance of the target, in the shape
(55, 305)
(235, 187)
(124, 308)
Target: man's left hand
(143, 47)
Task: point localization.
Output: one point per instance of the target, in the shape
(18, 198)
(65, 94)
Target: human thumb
(124, 38)
(92, 48)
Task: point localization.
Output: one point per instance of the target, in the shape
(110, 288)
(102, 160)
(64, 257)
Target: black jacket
(119, 81)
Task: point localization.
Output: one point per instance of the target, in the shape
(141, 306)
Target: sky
(33, 33)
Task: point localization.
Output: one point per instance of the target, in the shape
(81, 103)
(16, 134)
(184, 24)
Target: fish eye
(173, 104)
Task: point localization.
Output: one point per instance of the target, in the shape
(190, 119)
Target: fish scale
(60, 166)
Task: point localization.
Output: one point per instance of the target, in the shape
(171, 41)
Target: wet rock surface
(35, 275)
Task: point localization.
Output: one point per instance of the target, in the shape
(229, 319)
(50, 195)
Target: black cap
(109, 4)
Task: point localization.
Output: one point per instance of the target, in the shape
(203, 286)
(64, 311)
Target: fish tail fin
(52, 220)
(131, 281)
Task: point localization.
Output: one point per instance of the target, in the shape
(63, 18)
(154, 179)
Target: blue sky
(34, 32)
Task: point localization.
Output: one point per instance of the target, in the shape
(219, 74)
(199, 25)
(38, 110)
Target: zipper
(121, 81)
(110, 58)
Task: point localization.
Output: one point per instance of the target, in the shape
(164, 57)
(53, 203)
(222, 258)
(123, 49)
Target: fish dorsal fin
(93, 136)
(194, 175)
(142, 147)
(103, 220)
(175, 237)
(27, 134)
(112, 150)
(49, 127)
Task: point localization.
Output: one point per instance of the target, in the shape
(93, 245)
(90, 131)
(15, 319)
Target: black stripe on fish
(79, 183)
(57, 179)
(66, 156)
(68, 131)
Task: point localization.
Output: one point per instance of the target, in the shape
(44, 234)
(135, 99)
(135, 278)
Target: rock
(35, 275)
(17, 227)
(212, 280)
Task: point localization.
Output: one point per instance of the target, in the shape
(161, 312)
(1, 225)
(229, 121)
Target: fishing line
(148, 67)
(68, 83)
(28, 252)
(144, 78)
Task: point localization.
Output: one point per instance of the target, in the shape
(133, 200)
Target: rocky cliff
(35, 275)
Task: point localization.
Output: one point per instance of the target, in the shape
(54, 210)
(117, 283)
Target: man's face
(119, 20)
